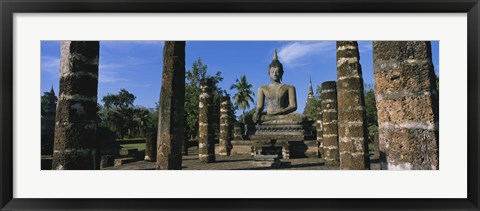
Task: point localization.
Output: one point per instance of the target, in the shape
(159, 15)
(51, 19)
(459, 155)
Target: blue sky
(137, 65)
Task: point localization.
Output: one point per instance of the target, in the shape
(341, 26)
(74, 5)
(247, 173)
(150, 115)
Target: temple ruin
(405, 94)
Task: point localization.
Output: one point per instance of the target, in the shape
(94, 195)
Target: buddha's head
(275, 70)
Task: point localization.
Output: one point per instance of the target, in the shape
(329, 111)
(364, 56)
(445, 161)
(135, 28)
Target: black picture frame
(9, 7)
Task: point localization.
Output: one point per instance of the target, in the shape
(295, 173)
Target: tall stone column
(407, 104)
(206, 136)
(320, 131)
(330, 128)
(75, 127)
(352, 119)
(225, 144)
(172, 97)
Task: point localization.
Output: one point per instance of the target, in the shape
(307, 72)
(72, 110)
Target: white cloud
(364, 46)
(50, 64)
(107, 73)
(295, 53)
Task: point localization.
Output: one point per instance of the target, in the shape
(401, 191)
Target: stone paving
(235, 162)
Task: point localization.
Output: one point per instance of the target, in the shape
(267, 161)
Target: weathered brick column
(206, 136)
(172, 97)
(151, 145)
(352, 119)
(225, 145)
(329, 119)
(407, 104)
(320, 131)
(75, 127)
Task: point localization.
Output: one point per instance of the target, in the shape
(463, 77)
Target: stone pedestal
(75, 126)
(206, 136)
(225, 145)
(330, 128)
(352, 123)
(285, 148)
(407, 104)
(171, 115)
(266, 161)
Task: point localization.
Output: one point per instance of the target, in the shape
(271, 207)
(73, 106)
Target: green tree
(243, 96)
(118, 111)
(142, 121)
(314, 104)
(371, 110)
(46, 98)
(192, 93)
(123, 99)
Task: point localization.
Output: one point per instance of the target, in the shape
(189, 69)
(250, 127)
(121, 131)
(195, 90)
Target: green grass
(131, 139)
(132, 143)
(140, 146)
(193, 150)
(127, 144)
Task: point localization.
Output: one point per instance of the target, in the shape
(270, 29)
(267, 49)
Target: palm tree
(243, 95)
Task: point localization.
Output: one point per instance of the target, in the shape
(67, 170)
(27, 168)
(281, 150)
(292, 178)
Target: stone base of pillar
(206, 158)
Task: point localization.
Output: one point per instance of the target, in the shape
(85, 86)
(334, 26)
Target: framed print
(134, 45)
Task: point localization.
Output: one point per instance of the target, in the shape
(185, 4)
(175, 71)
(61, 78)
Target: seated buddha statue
(281, 100)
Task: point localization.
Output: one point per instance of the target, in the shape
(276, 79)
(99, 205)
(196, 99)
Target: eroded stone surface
(329, 121)
(171, 115)
(407, 104)
(319, 125)
(75, 127)
(206, 133)
(225, 125)
(352, 124)
(151, 145)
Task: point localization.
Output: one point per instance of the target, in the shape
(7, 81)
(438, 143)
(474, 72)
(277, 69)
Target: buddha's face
(275, 74)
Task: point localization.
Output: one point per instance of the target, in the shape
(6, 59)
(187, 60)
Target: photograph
(239, 105)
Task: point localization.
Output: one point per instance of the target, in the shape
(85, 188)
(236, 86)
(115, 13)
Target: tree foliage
(118, 111)
(311, 110)
(192, 93)
(120, 115)
(122, 100)
(371, 110)
(46, 98)
(244, 94)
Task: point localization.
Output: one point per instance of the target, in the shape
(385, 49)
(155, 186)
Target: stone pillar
(225, 132)
(75, 126)
(206, 136)
(238, 130)
(320, 132)
(151, 145)
(352, 118)
(407, 104)
(171, 115)
(329, 119)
